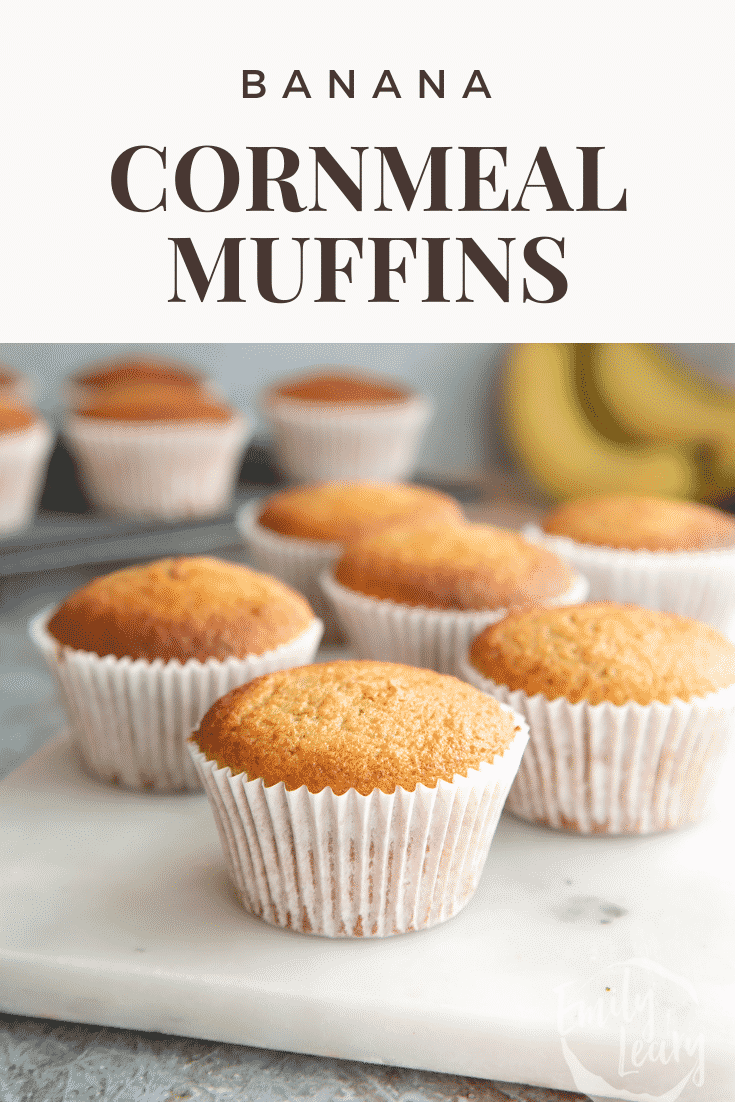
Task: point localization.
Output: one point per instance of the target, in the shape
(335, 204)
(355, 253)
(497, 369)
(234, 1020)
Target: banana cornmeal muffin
(604, 652)
(341, 388)
(339, 423)
(630, 712)
(351, 724)
(181, 608)
(133, 372)
(343, 511)
(369, 793)
(145, 402)
(14, 416)
(642, 523)
(452, 566)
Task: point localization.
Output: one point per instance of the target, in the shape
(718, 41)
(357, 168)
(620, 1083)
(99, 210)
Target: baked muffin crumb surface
(343, 511)
(354, 724)
(341, 388)
(132, 372)
(626, 521)
(451, 566)
(605, 652)
(179, 609)
(143, 402)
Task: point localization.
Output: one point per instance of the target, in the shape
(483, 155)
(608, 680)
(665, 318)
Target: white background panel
(81, 82)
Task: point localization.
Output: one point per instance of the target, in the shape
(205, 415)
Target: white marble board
(115, 910)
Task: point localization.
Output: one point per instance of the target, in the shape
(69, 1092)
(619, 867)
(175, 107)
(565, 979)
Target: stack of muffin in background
(359, 797)
(149, 437)
(152, 440)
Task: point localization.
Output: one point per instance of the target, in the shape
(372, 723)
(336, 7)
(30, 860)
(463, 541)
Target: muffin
(419, 594)
(139, 655)
(357, 799)
(158, 452)
(630, 710)
(25, 444)
(341, 389)
(127, 371)
(300, 532)
(343, 424)
(677, 556)
(141, 403)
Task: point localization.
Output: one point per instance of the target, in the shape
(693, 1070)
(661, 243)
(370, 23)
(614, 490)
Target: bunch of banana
(583, 419)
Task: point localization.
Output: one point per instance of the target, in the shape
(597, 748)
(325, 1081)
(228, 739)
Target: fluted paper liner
(23, 458)
(132, 717)
(427, 637)
(699, 584)
(298, 562)
(616, 769)
(156, 470)
(322, 443)
(354, 865)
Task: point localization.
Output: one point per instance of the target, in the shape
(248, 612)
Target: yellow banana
(560, 450)
(654, 397)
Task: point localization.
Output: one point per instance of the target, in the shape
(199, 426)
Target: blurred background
(485, 425)
(514, 428)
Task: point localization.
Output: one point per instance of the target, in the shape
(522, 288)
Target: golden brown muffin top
(361, 725)
(642, 523)
(453, 566)
(131, 372)
(344, 511)
(604, 651)
(15, 416)
(155, 403)
(341, 388)
(181, 608)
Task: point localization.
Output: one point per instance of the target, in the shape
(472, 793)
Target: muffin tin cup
(156, 470)
(699, 584)
(23, 458)
(298, 562)
(321, 443)
(616, 769)
(131, 717)
(354, 865)
(428, 637)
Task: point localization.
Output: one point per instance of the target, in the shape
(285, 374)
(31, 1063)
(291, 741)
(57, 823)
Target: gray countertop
(43, 1061)
(47, 1062)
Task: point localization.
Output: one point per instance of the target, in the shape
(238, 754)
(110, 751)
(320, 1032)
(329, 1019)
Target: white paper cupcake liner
(298, 562)
(616, 769)
(699, 584)
(427, 637)
(354, 865)
(158, 471)
(23, 458)
(132, 717)
(326, 442)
